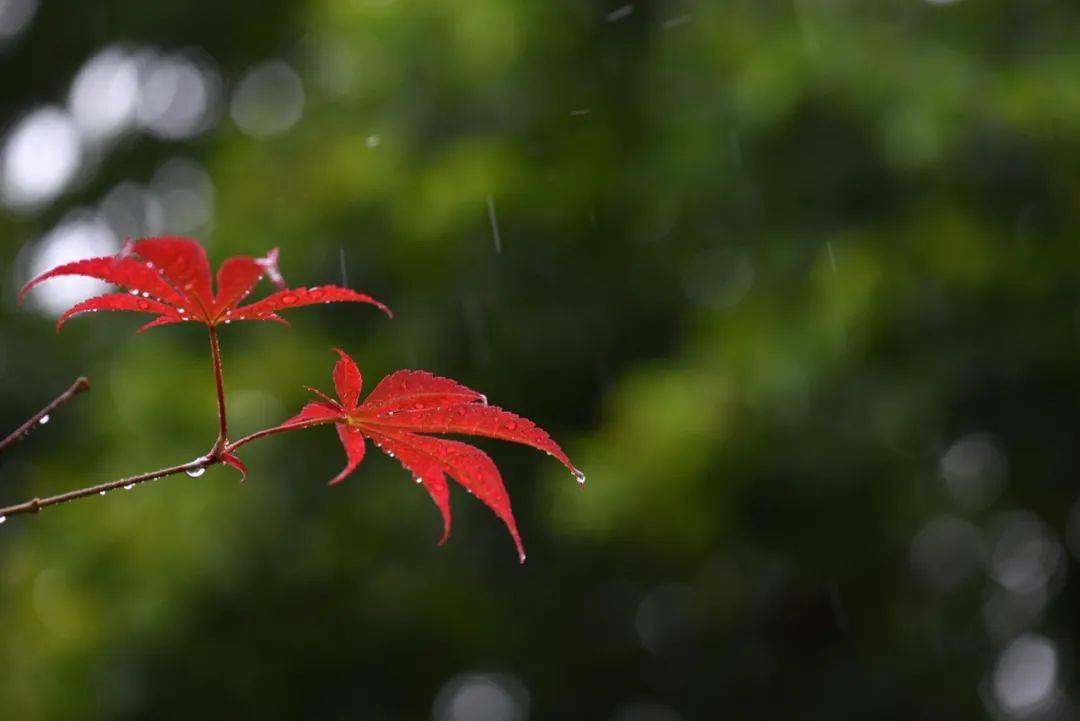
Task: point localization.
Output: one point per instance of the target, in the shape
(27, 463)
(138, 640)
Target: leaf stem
(215, 356)
(276, 429)
(81, 384)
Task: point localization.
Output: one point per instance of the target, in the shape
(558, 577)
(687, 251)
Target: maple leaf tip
(519, 545)
(232, 461)
(337, 479)
(62, 321)
(445, 537)
(269, 264)
(384, 308)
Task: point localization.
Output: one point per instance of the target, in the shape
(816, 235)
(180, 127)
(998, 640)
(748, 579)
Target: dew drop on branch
(3, 518)
(196, 472)
(44, 419)
(129, 486)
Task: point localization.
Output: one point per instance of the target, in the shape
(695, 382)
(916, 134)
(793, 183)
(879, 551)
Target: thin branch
(194, 467)
(81, 384)
(36, 504)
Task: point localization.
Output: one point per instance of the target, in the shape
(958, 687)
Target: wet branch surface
(81, 384)
(192, 468)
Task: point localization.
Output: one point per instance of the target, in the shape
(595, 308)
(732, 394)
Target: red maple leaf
(170, 277)
(408, 403)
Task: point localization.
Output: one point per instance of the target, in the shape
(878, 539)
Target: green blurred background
(794, 282)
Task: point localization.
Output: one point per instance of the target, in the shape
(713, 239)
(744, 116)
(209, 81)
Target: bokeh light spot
(268, 100)
(15, 16)
(40, 158)
(105, 94)
(178, 96)
(482, 697)
(82, 234)
(1025, 676)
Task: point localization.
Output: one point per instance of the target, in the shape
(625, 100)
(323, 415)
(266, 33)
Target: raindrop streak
(494, 223)
(44, 419)
(579, 476)
(677, 21)
(196, 472)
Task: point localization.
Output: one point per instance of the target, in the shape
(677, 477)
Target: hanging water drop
(3, 518)
(579, 476)
(101, 493)
(129, 486)
(44, 419)
(196, 472)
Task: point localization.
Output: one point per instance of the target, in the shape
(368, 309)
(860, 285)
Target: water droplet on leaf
(579, 476)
